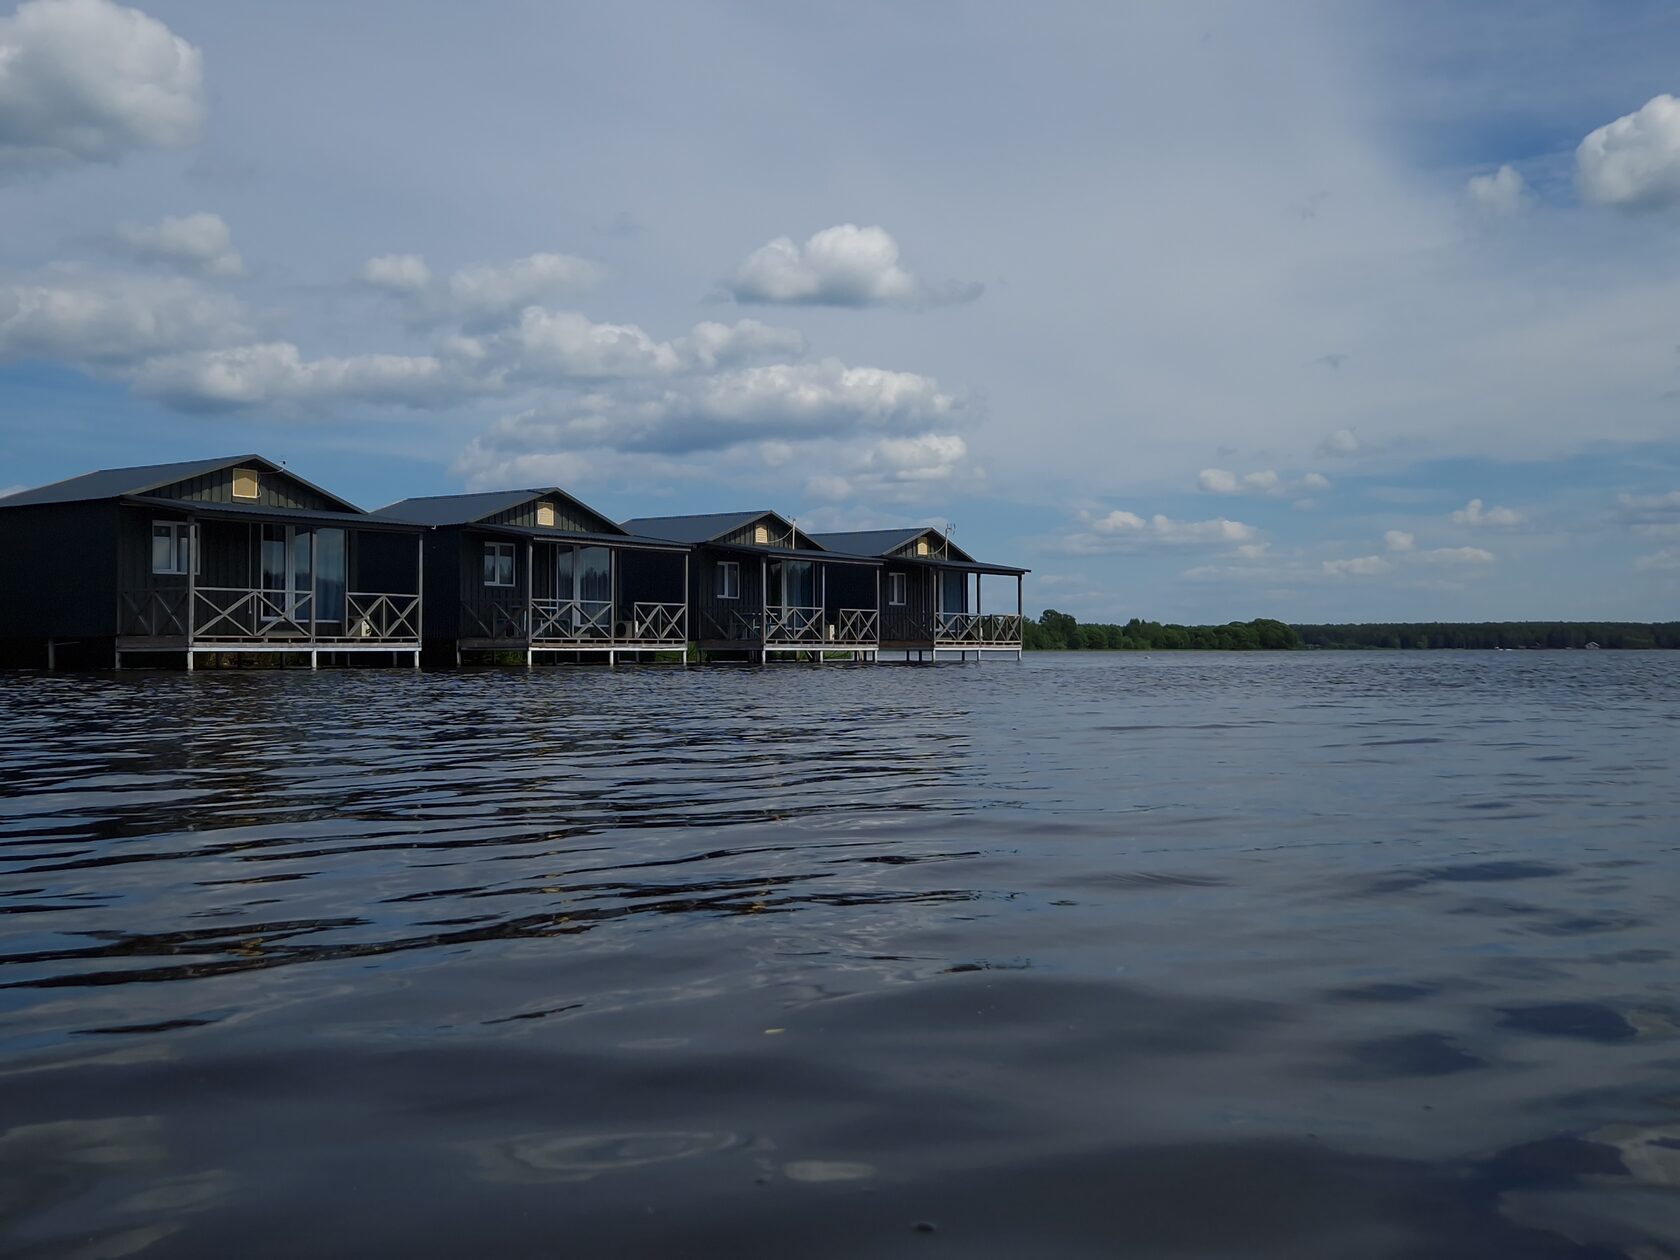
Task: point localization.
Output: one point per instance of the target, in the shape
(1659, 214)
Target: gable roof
(883, 542)
(702, 528)
(118, 483)
(470, 509)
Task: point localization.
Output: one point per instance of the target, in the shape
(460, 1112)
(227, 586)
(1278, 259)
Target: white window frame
(898, 590)
(179, 532)
(729, 579)
(492, 574)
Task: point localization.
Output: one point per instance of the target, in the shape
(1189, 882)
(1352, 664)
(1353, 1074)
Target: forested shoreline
(1059, 631)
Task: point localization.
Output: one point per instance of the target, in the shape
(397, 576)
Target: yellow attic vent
(761, 534)
(244, 483)
(921, 546)
(545, 515)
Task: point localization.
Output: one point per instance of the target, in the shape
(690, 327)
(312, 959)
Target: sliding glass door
(303, 573)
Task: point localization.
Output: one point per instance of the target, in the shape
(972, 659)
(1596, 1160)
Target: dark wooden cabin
(931, 595)
(762, 588)
(540, 573)
(233, 555)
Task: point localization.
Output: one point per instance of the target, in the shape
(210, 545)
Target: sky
(1323, 312)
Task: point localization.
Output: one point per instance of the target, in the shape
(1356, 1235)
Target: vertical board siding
(569, 515)
(274, 490)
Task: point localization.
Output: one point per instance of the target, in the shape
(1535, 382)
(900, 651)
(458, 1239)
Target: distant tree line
(1495, 634)
(1059, 631)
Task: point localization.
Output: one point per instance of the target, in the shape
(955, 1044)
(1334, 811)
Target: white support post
(52, 656)
(419, 594)
(530, 598)
(314, 655)
(189, 658)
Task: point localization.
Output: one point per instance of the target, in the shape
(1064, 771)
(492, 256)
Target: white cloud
(480, 296)
(198, 243)
(845, 265)
(1476, 512)
(1359, 566)
(100, 320)
(1399, 540)
(1341, 442)
(277, 373)
(1121, 530)
(712, 345)
(1665, 561)
(1501, 193)
(1266, 482)
(565, 344)
(897, 469)
(1633, 162)
(492, 291)
(404, 274)
(1649, 510)
(88, 81)
(1456, 555)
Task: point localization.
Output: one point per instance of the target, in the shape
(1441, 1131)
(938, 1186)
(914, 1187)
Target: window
(729, 579)
(498, 564)
(545, 515)
(174, 546)
(244, 483)
(896, 584)
(921, 546)
(761, 534)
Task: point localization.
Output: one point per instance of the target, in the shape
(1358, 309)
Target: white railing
(793, 625)
(226, 612)
(571, 620)
(658, 623)
(977, 629)
(856, 625)
(370, 616)
(234, 614)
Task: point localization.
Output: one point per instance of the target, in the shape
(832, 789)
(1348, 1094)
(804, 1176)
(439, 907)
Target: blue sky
(1322, 312)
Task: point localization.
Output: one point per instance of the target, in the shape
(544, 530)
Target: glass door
(288, 572)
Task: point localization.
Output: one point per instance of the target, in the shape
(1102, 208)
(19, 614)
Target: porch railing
(793, 625)
(977, 629)
(571, 620)
(225, 614)
(856, 625)
(658, 623)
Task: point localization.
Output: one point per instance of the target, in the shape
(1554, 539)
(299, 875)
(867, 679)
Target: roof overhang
(254, 512)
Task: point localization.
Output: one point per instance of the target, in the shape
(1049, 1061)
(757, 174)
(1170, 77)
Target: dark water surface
(1311, 955)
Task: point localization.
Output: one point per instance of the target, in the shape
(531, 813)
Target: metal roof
(470, 509)
(540, 533)
(116, 483)
(869, 542)
(256, 512)
(694, 529)
(797, 553)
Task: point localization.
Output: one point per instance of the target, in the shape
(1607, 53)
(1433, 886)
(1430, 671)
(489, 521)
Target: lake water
(1316, 955)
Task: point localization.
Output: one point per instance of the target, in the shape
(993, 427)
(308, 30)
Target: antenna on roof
(950, 528)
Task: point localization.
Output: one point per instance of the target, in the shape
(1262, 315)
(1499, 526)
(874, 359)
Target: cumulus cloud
(825, 400)
(403, 274)
(1477, 513)
(1358, 566)
(1634, 162)
(1342, 442)
(199, 243)
(1266, 482)
(90, 81)
(277, 373)
(93, 320)
(898, 469)
(1399, 540)
(482, 295)
(1500, 194)
(1457, 555)
(1120, 530)
(845, 265)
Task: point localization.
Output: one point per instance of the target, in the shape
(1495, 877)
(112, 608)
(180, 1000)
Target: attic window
(761, 534)
(244, 483)
(545, 515)
(921, 546)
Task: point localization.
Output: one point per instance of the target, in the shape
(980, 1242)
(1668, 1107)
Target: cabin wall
(482, 606)
(573, 517)
(779, 535)
(58, 568)
(274, 490)
(709, 614)
(913, 622)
